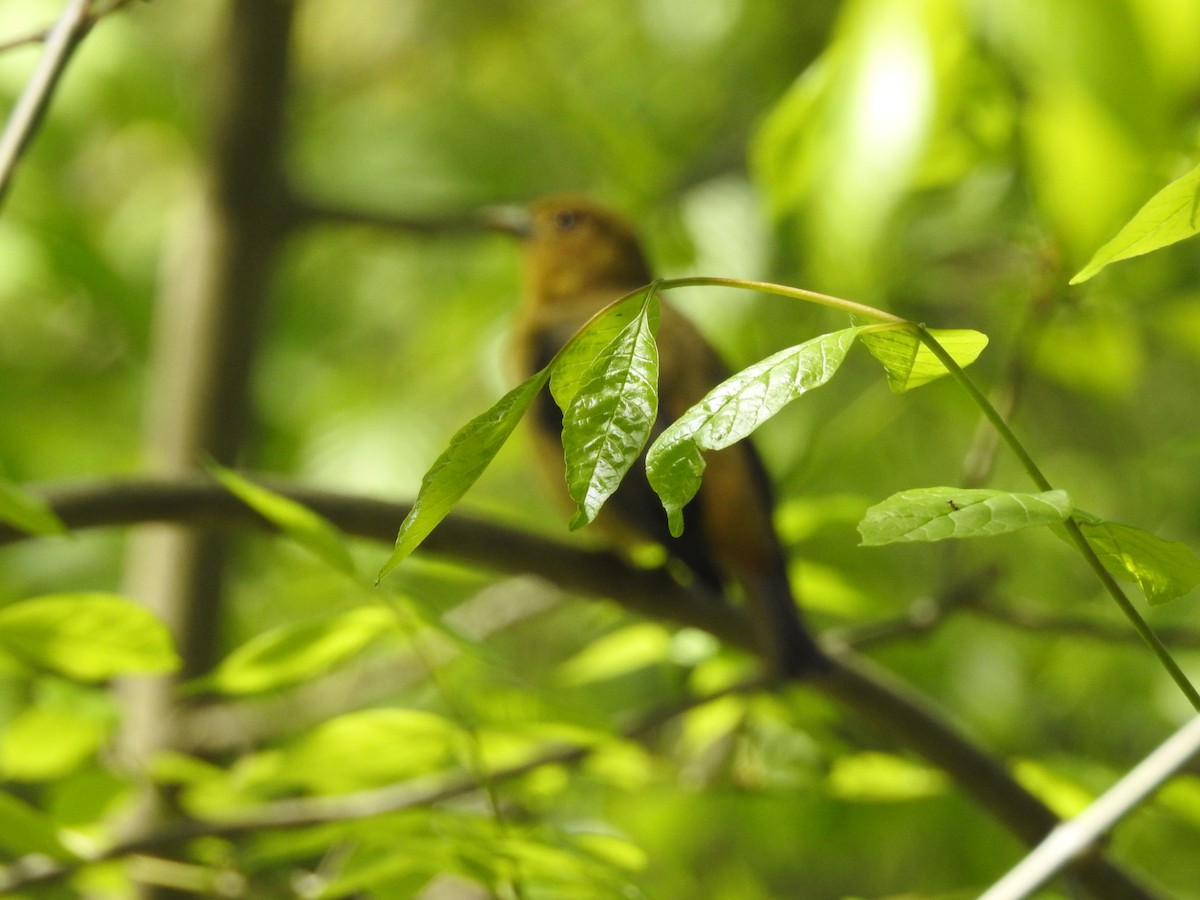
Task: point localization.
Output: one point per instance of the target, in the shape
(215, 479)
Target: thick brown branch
(887, 704)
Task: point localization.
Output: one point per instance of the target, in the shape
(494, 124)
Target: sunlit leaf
(369, 748)
(619, 653)
(1169, 216)
(470, 452)
(610, 416)
(1065, 796)
(296, 652)
(613, 849)
(86, 636)
(910, 364)
(883, 777)
(935, 514)
(294, 519)
(731, 412)
(572, 364)
(1163, 569)
(47, 743)
(23, 510)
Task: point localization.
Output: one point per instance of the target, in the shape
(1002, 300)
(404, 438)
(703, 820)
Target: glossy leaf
(86, 636)
(1169, 216)
(572, 364)
(935, 514)
(733, 410)
(470, 452)
(1163, 569)
(610, 416)
(294, 519)
(910, 364)
(296, 652)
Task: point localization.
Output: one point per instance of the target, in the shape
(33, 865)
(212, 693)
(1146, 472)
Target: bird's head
(574, 247)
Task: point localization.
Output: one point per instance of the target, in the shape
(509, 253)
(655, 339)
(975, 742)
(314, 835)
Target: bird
(577, 257)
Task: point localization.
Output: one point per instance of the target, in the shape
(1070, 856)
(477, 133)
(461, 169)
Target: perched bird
(578, 257)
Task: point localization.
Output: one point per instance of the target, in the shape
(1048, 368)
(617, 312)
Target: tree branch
(890, 706)
(61, 41)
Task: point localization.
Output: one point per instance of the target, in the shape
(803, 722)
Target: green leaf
(572, 363)
(935, 514)
(1163, 569)
(625, 650)
(369, 748)
(87, 636)
(910, 364)
(1169, 216)
(297, 521)
(30, 514)
(611, 413)
(732, 410)
(876, 777)
(25, 829)
(470, 452)
(47, 743)
(294, 653)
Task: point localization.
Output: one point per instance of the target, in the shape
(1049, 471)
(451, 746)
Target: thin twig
(43, 34)
(31, 105)
(1071, 525)
(1083, 833)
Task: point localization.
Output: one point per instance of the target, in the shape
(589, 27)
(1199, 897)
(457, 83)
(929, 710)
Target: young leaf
(619, 653)
(28, 513)
(1163, 569)
(299, 651)
(573, 362)
(910, 364)
(609, 419)
(296, 520)
(935, 514)
(471, 450)
(732, 410)
(1169, 216)
(368, 748)
(86, 636)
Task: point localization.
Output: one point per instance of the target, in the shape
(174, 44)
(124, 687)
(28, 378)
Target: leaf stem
(1072, 526)
(766, 287)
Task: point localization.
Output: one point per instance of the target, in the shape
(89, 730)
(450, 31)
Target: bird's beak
(513, 220)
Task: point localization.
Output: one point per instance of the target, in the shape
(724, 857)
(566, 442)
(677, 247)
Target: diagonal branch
(886, 703)
(61, 41)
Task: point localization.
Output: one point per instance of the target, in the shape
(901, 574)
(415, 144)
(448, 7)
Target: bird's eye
(566, 219)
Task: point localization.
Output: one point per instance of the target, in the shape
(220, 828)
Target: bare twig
(43, 34)
(1082, 834)
(61, 40)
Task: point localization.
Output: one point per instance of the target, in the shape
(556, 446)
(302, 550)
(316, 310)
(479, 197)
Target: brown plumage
(578, 257)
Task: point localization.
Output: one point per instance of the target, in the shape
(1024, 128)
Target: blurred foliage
(954, 161)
